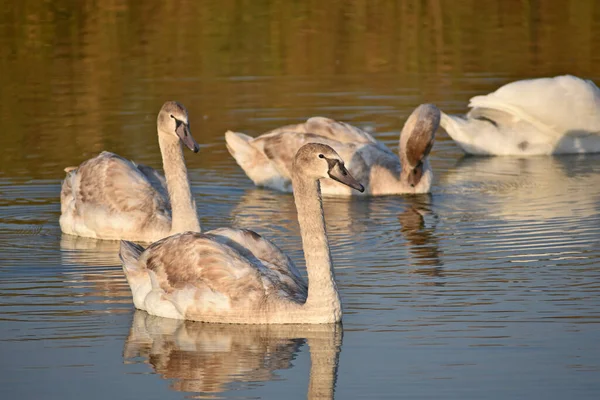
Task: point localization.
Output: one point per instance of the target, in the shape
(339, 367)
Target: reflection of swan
(528, 117)
(423, 243)
(216, 278)
(534, 188)
(259, 208)
(209, 358)
(267, 159)
(99, 259)
(77, 250)
(109, 197)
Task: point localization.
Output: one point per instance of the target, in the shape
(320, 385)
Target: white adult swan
(109, 197)
(557, 115)
(211, 278)
(267, 159)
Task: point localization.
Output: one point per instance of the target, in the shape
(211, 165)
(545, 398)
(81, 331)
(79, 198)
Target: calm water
(488, 288)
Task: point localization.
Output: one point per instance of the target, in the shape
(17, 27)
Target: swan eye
(321, 156)
(172, 116)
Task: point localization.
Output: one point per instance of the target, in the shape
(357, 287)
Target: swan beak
(338, 172)
(415, 175)
(183, 131)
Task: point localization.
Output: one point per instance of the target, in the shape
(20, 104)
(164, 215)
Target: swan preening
(267, 159)
(109, 197)
(542, 116)
(217, 277)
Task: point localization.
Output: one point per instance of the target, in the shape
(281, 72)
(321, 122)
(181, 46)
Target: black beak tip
(360, 188)
(196, 148)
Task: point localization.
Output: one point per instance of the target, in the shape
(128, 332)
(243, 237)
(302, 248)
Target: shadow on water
(212, 358)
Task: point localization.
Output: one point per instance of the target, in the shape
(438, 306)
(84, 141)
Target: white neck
(323, 298)
(183, 207)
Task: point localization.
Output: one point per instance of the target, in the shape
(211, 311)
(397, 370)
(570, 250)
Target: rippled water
(487, 288)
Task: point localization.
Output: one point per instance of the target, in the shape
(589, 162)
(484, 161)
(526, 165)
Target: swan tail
(129, 253)
(67, 198)
(454, 126)
(465, 133)
(257, 166)
(240, 148)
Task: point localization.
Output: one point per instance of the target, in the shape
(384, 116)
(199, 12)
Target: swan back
(556, 115)
(254, 246)
(109, 197)
(205, 278)
(558, 106)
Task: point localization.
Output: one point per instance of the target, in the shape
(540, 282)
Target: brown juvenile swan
(209, 278)
(267, 159)
(109, 197)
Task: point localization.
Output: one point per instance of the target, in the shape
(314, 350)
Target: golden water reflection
(81, 77)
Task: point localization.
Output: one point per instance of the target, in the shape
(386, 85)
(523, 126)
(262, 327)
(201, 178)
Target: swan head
(173, 122)
(317, 161)
(416, 141)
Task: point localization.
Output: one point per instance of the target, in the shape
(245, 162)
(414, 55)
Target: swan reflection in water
(401, 220)
(420, 235)
(260, 207)
(210, 358)
(95, 264)
(535, 188)
(77, 250)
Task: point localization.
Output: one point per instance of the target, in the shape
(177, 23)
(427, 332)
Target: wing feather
(216, 270)
(108, 196)
(554, 105)
(252, 245)
(273, 153)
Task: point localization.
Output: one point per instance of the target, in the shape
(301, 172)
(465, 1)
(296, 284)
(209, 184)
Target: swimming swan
(531, 117)
(210, 278)
(109, 197)
(267, 159)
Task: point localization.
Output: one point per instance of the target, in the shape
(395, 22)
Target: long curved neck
(424, 170)
(183, 207)
(323, 298)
